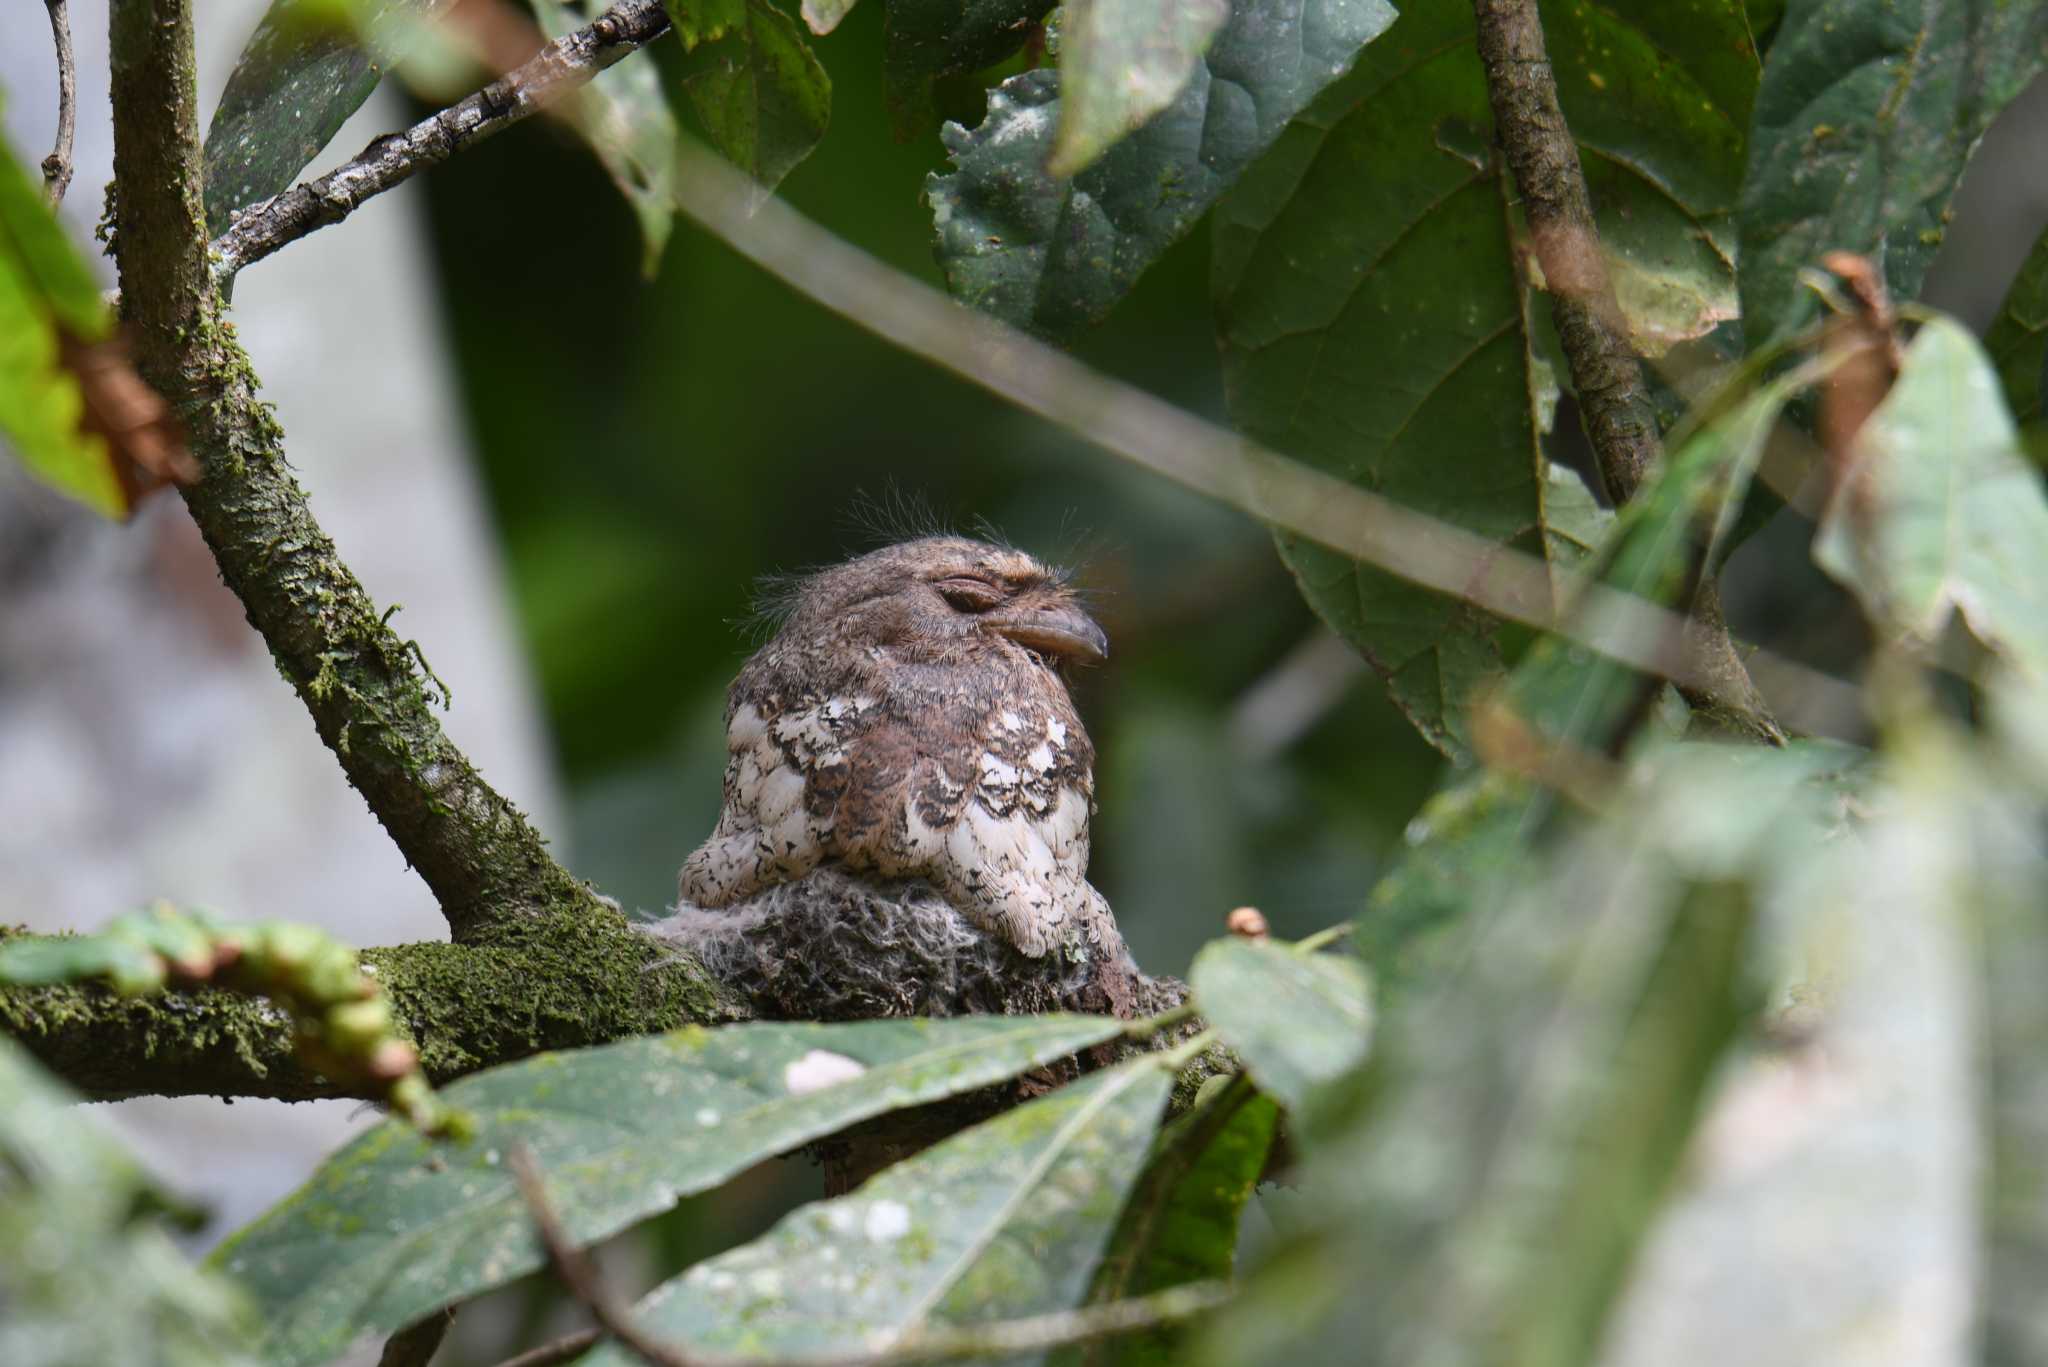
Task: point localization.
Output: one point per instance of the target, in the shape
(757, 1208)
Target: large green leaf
(1940, 511)
(624, 116)
(87, 1273)
(1001, 1221)
(1181, 1223)
(765, 100)
(47, 298)
(1121, 63)
(303, 72)
(1299, 1021)
(1867, 116)
(1374, 322)
(2018, 338)
(1832, 1213)
(394, 1226)
(1521, 1120)
(1054, 256)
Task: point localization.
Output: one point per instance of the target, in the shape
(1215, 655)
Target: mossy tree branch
(370, 694)
(1607, 375)
(466, 1007)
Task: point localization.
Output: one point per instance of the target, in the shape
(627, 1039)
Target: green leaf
(1663, 542)
(302, 74)
(701, 21)
(765, 100)
(2018, 338)
(1464, 850)
(1940, 512)
(1867, 116)
(621, 1132)
(923, 40)
(1001, 1221)
(1874, 1087)
(48, 298)
(1374, 322)
(1520, 1122)
(1121, 62)
(87, 1273)
(1181, 1223)
(2012, 954)
(1054, 256)
(624, 115)
(1299, 1021)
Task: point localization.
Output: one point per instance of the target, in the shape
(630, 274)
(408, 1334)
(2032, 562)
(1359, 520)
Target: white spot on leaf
(818, 1069)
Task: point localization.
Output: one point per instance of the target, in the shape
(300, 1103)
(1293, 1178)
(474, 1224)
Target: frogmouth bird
(910, 720)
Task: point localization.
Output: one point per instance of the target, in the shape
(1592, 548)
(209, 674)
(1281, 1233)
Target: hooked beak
(1058, 629)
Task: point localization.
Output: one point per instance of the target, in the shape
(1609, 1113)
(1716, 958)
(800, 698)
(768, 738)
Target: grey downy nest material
(834, 945)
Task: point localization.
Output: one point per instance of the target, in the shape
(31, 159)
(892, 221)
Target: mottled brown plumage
(909, 721)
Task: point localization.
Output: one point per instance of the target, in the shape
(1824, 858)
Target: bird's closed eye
(969, 595)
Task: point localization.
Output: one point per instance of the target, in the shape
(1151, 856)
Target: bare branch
(57, 166)
(556, 1351)
(1213, 461)
(557, 69)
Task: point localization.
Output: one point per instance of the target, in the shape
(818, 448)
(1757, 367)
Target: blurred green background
(653, 448)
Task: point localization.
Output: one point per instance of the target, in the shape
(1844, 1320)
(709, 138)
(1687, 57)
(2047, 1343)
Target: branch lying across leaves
(562, 66)
(1000, 1339)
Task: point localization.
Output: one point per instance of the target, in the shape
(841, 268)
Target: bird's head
(945, 599)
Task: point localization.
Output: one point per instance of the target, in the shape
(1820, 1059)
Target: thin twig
(564, 65)
(57, 166)
(556, 1351)
(1002, 1338)
(1213, 461)
(580, 1275)
(1606, 373)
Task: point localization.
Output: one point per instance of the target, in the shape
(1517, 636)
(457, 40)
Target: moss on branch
(466, 1008)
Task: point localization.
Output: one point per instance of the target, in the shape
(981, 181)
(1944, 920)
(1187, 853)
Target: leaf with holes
(1940, 511)
(621, 1131)
(1054, 256)
(1374, 321)
(1005, 1220)
(923, 40)
(1867, 117)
